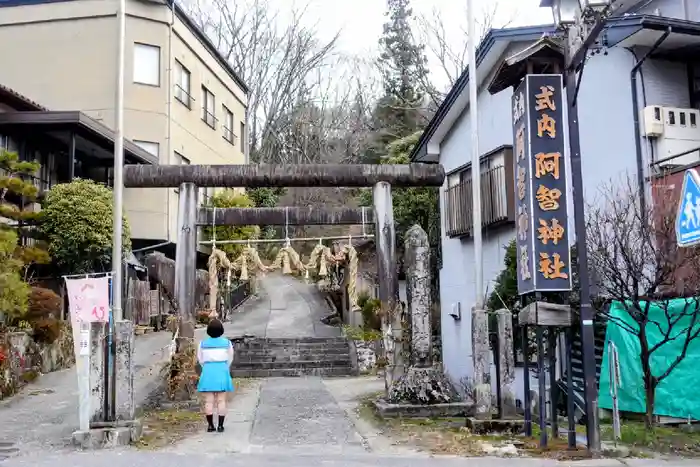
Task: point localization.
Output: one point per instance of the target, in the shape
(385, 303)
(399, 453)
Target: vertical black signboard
(543, 251)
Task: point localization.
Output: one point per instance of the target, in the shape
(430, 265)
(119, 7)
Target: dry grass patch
(165, 427)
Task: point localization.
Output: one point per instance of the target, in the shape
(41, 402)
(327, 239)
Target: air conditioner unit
(677, 131)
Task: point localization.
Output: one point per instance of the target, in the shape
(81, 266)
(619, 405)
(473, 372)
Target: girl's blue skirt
(215, 377)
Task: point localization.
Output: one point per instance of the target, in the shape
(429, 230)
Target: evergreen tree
(16, 219)
(399, 113)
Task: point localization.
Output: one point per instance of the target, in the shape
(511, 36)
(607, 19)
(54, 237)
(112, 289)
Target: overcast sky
(361, 21)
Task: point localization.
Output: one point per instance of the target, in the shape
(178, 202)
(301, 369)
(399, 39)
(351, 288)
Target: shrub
(77, 223)
(370, 317)
(203, 317)
(362, 298)
(46, 330)
(359, 334)
(43, 303)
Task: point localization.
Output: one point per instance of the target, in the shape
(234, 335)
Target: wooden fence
(138, 306)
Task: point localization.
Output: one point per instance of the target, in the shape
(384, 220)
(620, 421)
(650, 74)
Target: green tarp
(677, 395)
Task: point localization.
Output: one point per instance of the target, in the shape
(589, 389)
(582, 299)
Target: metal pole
(570, 406)
(480, 343)
(118, 189)
(541, 386)
(476, 166)
(527, 398)
(552, 333)
(587, 313)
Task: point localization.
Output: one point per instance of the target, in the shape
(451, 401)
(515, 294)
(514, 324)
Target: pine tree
(399, 113)
(15, 219)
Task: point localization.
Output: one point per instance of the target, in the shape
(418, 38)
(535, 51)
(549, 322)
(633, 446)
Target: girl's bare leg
(209, 409)
(221, 409)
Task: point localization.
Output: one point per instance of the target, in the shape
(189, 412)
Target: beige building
(183, 102)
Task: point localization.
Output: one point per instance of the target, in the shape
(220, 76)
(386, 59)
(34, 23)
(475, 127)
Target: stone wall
(367, 352)
(22, 360)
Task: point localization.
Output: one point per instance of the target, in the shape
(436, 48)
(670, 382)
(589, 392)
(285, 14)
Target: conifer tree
(17, 218)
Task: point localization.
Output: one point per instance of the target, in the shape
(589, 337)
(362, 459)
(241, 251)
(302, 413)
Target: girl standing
(215, 355)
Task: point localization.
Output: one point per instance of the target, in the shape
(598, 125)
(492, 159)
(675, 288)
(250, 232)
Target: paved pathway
(278, 422)
(285, 307)
(45, 414)
(284, 414)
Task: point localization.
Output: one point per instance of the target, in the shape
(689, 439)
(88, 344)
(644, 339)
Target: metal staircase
(577, 371)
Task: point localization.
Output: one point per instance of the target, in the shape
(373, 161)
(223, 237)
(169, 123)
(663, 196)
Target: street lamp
(567, 12)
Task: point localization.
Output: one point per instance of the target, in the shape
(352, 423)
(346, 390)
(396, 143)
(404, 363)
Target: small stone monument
(506, 363)
(422, 383)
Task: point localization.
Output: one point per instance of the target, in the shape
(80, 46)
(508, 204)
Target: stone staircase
(274, 357)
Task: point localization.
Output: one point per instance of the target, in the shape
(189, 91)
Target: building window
(147, 64)
(183, 90)
(497, 206)
(228, 126)
(149, 146)
(208, 107)
(243, 137)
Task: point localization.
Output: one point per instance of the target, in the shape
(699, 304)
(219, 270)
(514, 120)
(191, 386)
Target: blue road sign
(688, 217)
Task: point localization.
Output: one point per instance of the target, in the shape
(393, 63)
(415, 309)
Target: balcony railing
(496, 202)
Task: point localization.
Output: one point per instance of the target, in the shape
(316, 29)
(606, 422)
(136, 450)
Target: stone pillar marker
(506, 362)
(422, 383)
(124, 360)
(482, 365)
(418, 295)
(98, 368)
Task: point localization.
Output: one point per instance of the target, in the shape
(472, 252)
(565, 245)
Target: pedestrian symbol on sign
(688, 216)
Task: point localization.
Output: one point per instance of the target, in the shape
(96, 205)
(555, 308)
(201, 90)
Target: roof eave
(76, 118)
(507, 34)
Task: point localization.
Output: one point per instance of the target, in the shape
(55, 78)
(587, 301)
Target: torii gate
(188, 178)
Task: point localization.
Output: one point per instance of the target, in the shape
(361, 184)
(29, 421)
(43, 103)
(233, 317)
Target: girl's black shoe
(210, 424)
(221, 424)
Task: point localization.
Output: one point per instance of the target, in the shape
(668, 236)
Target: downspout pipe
(635, 110)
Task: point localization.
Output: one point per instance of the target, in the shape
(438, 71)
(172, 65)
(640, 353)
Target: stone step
(292, 345)
(301, 358)
(297, 340)
(291, 364)
(286, 372)
(312, 353)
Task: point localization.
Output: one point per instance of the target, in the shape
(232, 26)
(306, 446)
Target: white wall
(607, 153)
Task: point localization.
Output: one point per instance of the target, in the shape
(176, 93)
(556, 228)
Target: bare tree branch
(448, 48)
(634, 256)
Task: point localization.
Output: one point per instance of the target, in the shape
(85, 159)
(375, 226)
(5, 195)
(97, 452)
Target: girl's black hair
(215, 328)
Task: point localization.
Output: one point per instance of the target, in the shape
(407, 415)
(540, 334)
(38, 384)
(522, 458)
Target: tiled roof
(17, 100)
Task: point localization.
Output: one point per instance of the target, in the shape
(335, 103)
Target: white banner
(88, 301)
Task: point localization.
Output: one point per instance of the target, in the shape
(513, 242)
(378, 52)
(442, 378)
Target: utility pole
(476, 166)
(118, 188)
(480, 345)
